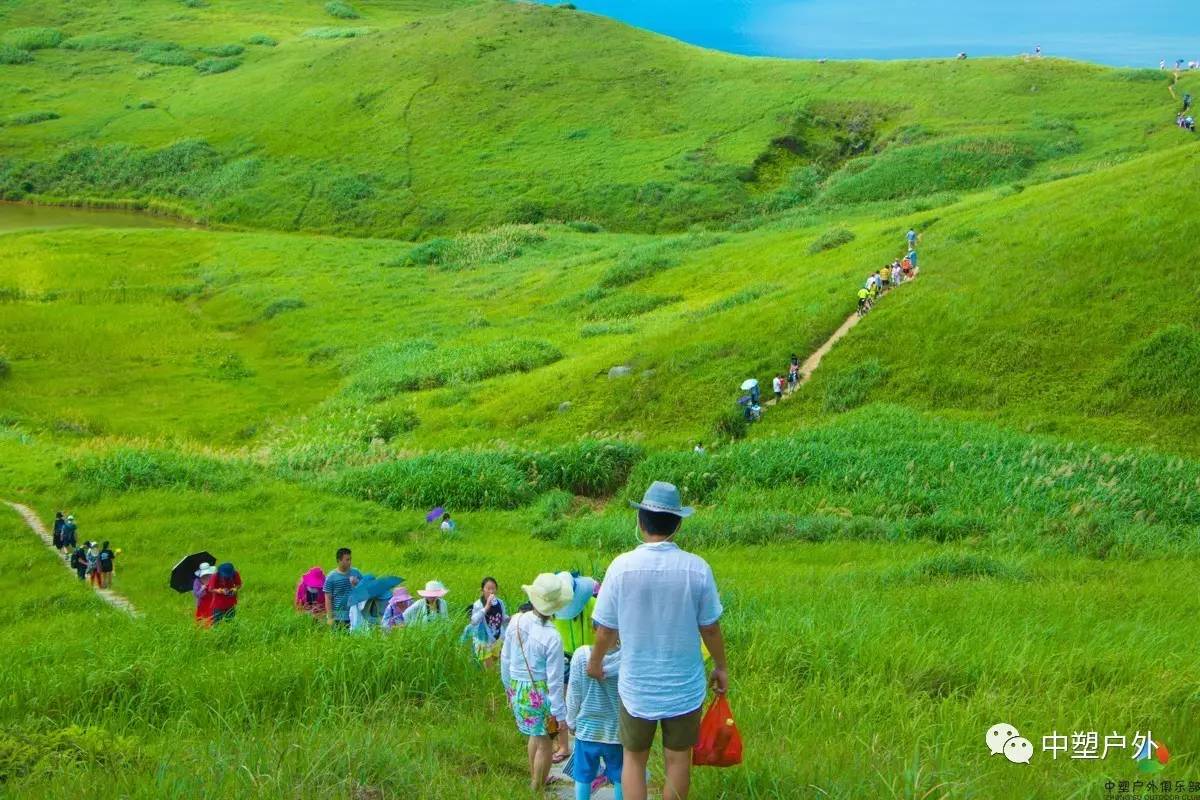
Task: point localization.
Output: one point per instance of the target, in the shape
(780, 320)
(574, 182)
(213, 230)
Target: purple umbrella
(435, 515)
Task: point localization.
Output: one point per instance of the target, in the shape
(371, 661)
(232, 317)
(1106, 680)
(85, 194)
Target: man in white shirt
(660, 601)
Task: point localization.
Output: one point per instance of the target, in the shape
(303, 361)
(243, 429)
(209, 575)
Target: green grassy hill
(421, 117)
(434, 240)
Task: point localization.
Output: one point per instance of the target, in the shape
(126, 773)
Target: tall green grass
(420, 364)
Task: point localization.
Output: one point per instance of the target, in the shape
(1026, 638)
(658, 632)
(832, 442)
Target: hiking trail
(814, 360)
(107, 595)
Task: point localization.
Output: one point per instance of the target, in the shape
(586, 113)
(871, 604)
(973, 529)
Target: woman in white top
(531, 669)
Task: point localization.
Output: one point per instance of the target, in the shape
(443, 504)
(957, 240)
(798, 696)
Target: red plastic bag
(720, 743)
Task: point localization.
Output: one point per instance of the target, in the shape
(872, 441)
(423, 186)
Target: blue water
(1117, 32)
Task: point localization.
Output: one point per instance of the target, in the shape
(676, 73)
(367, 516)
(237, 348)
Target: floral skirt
(531, 706)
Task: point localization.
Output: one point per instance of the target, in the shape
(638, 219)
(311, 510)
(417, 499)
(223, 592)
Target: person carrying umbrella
(368, 600)
(200, 592)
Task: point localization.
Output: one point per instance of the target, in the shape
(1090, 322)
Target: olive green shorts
(678, 733)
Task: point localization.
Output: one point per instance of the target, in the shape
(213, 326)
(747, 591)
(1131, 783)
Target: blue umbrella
(435, 514)
(377, 588)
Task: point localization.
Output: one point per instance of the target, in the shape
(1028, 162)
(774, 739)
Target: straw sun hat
(550, 592)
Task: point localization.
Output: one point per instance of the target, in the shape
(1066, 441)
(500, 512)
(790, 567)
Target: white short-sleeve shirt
(657, 597)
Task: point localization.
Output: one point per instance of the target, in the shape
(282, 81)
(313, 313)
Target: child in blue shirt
(592, 715)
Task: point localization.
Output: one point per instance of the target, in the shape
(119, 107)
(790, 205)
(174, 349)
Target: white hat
(433, 589)
(550, 592)
(205, 569)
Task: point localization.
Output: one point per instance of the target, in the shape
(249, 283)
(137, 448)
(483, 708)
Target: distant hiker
(310, 592)
(755, 394)
(448, 525)
(393, 615)
(69, 533)
(593, 716)
(489, 620)
(1189, 123)
(574, 624)
(434, 607)
(531, 669)
(1162, 63)
(93, 564)
(699, 449)
(885, 279)
(200, 592)
(78, 561)
(906, 268)
(660, 603)
(224, 587)
(962, 56)
(1037, 51)
(897, 275)
(106, 558)
(367, 614)
(864, 297)
(911, 258)
(794, 373)
(59, 522)
(338, 584)
(911, 238)
(777, 387)
(1187, 101)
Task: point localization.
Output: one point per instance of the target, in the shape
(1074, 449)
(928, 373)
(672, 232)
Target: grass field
(432, 231)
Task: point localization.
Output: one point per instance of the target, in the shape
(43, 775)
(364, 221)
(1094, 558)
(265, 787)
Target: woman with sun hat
(531, 669)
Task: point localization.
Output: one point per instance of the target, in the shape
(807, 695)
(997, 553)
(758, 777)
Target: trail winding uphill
(35, 523)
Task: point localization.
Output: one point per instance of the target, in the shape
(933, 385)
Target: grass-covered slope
(427, 116)
(1068, 308)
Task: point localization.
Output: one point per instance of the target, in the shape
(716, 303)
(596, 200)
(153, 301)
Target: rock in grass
(619, 372)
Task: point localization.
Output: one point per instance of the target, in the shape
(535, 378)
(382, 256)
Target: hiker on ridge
(660, 602)
(59, 522)
(69, 539)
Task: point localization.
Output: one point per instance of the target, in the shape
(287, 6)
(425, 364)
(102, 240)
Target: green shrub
(215, 66)
(166, 54)
(5, 368)
(1162, 371)
(739, 298)
(584, 226)
(835, 237)
(606, 329)
(476, 479)
(731, 425)
(336, 8)
(14, 55)
(281, 306)
(28, 752)
(620, 306)
(850, 388)
(470, 250)
(967, 162)
(456, 479)
(262, 40)
(952, 566)
(125, 469)
(224, 50)
(32, 38)
(639, 263)
(104, 41)
(335, 33)
(418, 364)
(31, 118)
(232, 367)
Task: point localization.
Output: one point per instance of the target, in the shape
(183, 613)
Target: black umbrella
(183, 573)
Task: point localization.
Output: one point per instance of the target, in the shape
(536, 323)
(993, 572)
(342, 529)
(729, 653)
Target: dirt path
(107, 595)
(813, 361)
(566, 789)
